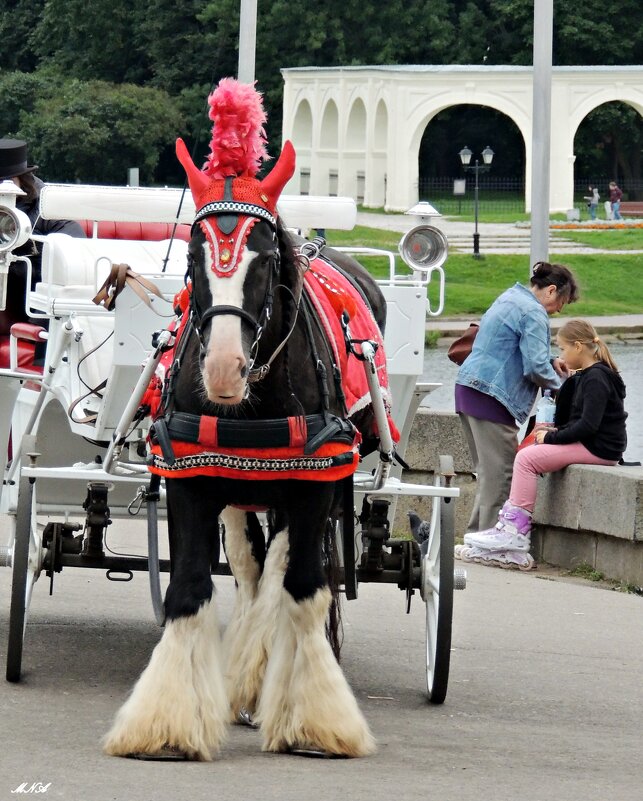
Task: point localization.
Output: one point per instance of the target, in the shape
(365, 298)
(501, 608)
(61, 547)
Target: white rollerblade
(509, 560)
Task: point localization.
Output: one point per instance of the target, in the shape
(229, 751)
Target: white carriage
(78, 453)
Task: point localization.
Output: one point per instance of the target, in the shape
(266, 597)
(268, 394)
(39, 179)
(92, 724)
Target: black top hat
(13, 159)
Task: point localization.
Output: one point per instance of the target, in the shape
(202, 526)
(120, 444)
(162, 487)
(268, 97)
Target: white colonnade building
(357, 130)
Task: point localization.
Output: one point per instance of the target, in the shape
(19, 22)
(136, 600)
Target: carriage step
(6, 556)
(459, 579)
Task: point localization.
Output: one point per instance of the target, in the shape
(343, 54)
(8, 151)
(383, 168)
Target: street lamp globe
(465, 155)
(487, 155)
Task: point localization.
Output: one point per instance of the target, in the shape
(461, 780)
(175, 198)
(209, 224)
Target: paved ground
(545, 698)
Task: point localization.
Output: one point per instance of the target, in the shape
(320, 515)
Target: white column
(541, 130)
(247, 40)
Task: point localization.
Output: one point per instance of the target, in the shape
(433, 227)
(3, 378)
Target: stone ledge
(590, 498)
(585, 514)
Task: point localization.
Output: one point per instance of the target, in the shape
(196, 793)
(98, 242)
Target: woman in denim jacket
(498, 382)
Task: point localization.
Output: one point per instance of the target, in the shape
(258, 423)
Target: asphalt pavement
(545, 698)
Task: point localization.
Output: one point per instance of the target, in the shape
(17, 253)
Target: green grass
(609, 284)
(607, 240)
(589, 573)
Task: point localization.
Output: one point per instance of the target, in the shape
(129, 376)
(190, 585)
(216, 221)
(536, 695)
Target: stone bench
(605, 531)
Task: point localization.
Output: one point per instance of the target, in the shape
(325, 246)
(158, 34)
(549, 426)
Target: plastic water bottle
(545, 410)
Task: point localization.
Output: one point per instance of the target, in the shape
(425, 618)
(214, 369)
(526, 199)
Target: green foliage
(91, 39)
(185, 49)
(19, 92)
(93, 131)
(17, 19)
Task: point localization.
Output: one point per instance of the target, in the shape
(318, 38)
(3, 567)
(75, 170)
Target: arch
(356, 128)
(400, 101)
(302, 128)
(380, 134)
(329, 130)
(607, 146)
(515, 115)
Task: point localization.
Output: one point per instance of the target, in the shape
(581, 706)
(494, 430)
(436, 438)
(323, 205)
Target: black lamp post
(465, 157)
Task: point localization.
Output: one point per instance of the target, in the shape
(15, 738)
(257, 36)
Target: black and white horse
(252, 352)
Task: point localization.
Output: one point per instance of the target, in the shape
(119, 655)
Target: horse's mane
(291, 275)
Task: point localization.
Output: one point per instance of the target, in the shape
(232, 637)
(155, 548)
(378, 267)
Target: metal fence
(505, 194)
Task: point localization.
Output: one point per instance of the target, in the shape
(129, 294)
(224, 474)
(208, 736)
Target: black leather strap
(184, 427)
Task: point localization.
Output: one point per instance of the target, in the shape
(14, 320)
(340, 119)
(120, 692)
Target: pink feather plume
(238, 143)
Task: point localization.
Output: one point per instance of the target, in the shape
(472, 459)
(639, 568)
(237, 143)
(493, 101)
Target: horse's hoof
(245, 719)
(166, 754)
(314, 753)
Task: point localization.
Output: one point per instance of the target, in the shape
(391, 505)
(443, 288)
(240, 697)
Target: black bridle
(227, 212)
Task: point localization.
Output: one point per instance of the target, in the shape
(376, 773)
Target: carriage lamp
(15, 230)
(424, 248)
(465, 157)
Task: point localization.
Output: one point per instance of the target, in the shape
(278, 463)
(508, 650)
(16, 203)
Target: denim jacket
(511, 353)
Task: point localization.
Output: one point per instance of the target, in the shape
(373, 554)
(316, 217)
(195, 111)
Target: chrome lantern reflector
(424, 248)
(15, 228)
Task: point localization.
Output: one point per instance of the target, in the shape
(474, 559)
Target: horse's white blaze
(250, 635)
(179, 700)
(225, 367)
(306, 700)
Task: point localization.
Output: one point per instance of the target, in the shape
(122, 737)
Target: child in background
(589, 428)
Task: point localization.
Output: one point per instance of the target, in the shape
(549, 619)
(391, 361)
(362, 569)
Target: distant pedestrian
(615, 200)
(589, 428)
(592, 201)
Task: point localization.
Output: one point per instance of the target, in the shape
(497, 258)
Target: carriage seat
(135, 231)
(113, 345)
(25, 337)
(76, 268)
(70, 271)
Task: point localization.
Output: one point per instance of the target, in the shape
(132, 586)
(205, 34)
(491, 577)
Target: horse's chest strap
(309, 432)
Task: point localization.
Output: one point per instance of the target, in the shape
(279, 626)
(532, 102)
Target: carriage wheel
(23, 579)
(437, 592)
(347, 538)
(346, 530)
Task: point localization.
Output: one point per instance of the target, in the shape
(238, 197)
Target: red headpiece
(227, 188)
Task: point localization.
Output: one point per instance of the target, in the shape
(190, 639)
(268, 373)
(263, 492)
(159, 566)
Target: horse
(253, 362)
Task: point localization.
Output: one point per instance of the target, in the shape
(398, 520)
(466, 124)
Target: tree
(93, 131)
(92, 39)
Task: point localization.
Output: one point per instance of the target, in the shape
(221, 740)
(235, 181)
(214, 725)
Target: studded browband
(235, 207)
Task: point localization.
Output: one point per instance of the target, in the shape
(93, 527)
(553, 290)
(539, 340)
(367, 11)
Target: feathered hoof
(313, 753)
(327, 745)
(167, 754)
(155, 751)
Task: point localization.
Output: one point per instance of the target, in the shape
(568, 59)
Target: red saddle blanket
(331, 295)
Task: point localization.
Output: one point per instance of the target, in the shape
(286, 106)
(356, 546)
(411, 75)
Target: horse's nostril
(244, 371)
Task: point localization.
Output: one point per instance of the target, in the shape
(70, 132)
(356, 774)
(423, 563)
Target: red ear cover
(273, 184)
(197, 180)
